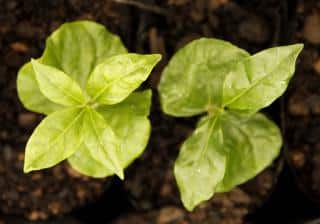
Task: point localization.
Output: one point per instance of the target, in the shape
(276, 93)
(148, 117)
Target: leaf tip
(155, 58)
(35, 65)
(120, 174)
(34, 62)
(189, 207)
(27, 168)
(298, 47)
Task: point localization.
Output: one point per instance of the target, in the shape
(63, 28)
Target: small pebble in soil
(316, 65)
(297, 106)
(19, 47)
(169, 214)
(314, 103)
(214, 4)
(298, 158)
(254, 30)
(37, 215)
(311, 31)
(27, 119)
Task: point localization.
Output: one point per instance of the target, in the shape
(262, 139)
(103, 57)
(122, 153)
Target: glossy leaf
(257, 81)
(134, 133)
(201, 163)
(30, 94)
(251, 145)
(80, 134)
(129, 121)
(56, 138)
(75, 48)
(83, 162)
(116, 77)
(193, 80)
(214, 76)
(136, 104)
(101, 141)
(57, 86)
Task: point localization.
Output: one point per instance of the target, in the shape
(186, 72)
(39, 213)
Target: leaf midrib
(257, 82)
(99, 140)
(112, 82)
(54, 140)
(205, 148)
(65, 92)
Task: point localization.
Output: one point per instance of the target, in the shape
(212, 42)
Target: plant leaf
(77, 47)
(251, 145)
(83, 162)
(65, 51)
(193, 80)
(136, 104)
(129, 121)
(56, 138)
(257, 81)
(237, 148)
(57, 86)
(116, 77)
(101, 142)
(30, 94)
(201, 163)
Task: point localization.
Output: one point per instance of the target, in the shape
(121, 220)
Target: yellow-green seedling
(232, 141)
(84, 82)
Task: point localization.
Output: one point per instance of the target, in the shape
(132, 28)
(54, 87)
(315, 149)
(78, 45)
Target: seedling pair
(84, 82)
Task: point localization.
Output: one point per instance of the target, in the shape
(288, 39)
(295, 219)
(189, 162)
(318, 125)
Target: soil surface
(153, 26)
(303, 102)
(226, 208)
(15, 220)
(24, 25)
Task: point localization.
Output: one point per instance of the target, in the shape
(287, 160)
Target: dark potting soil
(303, 102)
(24, 25)
(157, 27)
(60, 220)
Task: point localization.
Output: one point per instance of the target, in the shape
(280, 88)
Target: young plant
(84, 83)
(232, 141)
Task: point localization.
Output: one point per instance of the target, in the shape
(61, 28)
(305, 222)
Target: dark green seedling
(232, 142)
(84, 83)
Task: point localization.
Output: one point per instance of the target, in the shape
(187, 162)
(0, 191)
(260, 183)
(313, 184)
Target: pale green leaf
(251, 145)
(83, 162)
(136, 104)
(193, 80)
(56, 138)
(30, 94)
(57, 86)
(116, 77)
(129, 121)
(201, 163)
(102, 142)
(216, 77)
(75, 48)
(258, 80)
